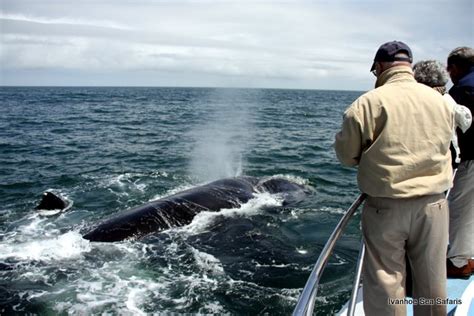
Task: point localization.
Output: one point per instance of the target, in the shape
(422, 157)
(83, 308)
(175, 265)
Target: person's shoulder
(464, 86)
(449, 99)
(363, 105)
(467, 81)
(428, 93)
(421, 88)
(368, 97)
(463, 94)
(361, 102)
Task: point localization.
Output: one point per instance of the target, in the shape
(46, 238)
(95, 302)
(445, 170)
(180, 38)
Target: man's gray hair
(431, 73)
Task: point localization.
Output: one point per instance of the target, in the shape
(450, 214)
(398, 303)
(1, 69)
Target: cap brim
(373, 67)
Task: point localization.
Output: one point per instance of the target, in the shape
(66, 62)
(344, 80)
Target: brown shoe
(458, 273)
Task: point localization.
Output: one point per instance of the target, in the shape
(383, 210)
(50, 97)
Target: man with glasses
(398, 135)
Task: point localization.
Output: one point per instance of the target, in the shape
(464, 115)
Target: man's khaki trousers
(393, 228)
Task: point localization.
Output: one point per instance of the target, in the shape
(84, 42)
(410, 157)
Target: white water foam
(333, 210)
(69, 245)
(124, 183)
(275, 265)
(207, 262)
(214, 307)
(254, 206)
(118, 287)
(114, 286)
(121, 294)
(297, 213)
(302, 251)
(295, 179)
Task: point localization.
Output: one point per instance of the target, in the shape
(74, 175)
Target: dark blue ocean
(109, 149)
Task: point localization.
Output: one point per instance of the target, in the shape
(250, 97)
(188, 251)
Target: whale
(179, 209)
(52, 203)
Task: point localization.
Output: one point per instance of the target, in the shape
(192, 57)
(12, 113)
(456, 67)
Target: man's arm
(462, 117)
(348, 144)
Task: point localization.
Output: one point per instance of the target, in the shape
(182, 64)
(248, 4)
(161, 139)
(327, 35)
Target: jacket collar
(394, 74)
(468, 79)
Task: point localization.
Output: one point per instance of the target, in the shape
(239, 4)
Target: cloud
(303, 43)
(64, 21)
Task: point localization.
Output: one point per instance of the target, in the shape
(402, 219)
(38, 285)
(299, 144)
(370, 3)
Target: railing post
(355, 287)
(307, 298)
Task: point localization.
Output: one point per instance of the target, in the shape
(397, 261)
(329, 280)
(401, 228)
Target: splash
(216, 157)
(67, 246)
(220, 143)
(254, 206)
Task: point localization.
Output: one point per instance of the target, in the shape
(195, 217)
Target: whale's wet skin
(108, 150)
(180, 209)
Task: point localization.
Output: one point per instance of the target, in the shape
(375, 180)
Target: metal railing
(352, 302)
(305, 306)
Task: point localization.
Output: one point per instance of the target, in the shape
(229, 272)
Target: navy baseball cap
(388, 51)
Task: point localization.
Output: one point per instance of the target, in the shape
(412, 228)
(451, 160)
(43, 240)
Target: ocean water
(109, 149)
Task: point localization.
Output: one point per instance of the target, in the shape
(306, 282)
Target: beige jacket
(399, 135)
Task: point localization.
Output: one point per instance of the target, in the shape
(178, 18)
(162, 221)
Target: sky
(255, 44)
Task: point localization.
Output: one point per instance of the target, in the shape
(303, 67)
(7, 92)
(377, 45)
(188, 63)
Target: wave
(254, 206)
(39, 240)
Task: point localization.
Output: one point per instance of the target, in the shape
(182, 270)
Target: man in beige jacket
(399, 135)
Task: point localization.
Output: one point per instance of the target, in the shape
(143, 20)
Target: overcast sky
(269, 44)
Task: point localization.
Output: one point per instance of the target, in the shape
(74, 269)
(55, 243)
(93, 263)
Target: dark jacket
(463, 93)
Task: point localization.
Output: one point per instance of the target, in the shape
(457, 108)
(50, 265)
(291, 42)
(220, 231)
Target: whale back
(179, 209)
(290, 192)
(175, 210)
